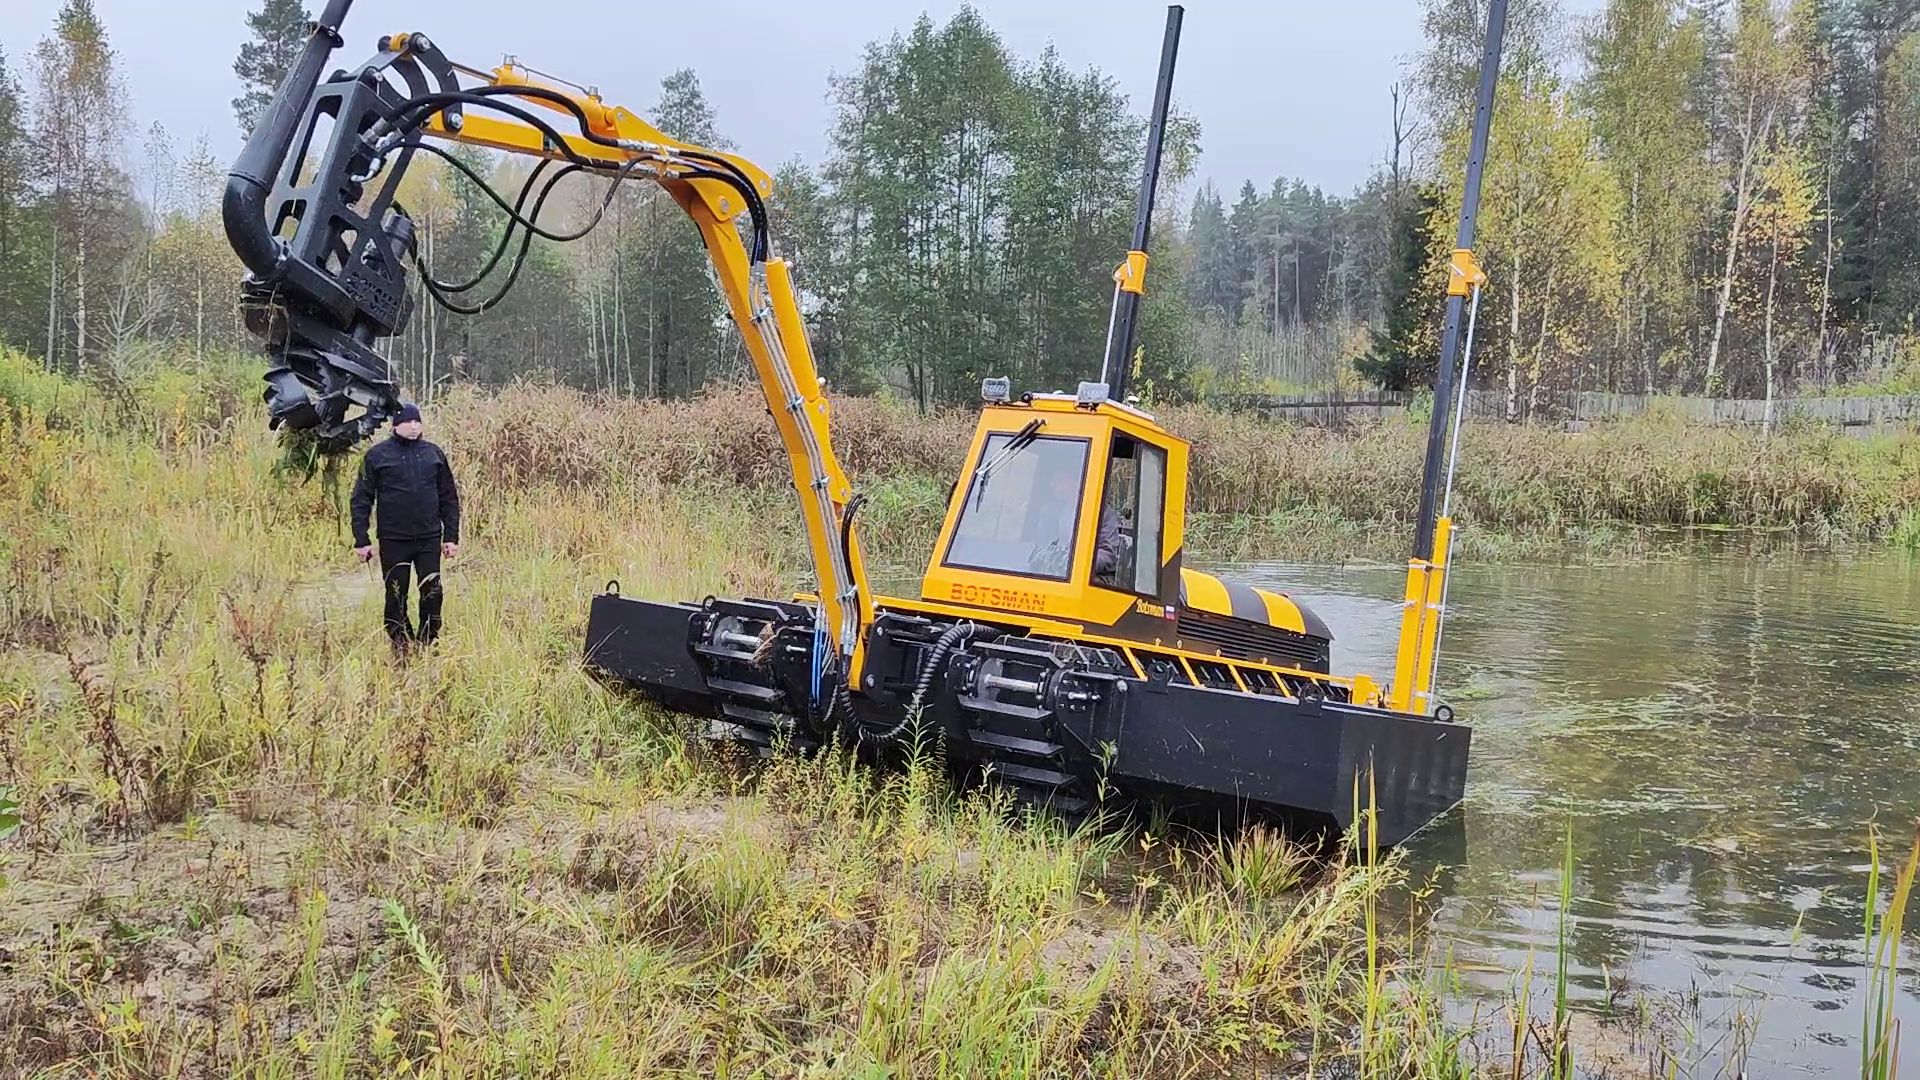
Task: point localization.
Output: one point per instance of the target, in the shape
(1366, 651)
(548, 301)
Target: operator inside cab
(1113, 550)
(1022, 508)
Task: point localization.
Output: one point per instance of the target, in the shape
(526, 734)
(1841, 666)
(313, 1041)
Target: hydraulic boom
(310, 207)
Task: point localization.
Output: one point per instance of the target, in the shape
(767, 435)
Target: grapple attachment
(310, 209)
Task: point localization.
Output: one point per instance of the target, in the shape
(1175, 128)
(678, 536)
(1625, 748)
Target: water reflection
(1719, 728)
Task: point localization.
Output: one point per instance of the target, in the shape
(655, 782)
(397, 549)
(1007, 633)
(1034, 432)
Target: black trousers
(400, 561)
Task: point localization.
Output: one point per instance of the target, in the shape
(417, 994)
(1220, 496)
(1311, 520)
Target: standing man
(409, 479)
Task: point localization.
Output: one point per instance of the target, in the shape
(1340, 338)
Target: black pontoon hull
(1055, 722)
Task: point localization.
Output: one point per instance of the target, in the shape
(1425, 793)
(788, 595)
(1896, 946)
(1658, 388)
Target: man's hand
(365, 553)
(449, 549)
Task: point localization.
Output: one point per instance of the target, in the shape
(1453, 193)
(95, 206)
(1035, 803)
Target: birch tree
(1645, 64)
(1763, 79)
(80, 112)
(278, 29)
(1781, 220)
(1547, 224)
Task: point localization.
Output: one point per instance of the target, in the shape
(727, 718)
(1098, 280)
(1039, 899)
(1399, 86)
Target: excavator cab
(1066, 509)
(1073, 507)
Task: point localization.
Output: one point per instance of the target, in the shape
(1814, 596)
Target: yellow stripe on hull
(1203, 592)
(1283, 612)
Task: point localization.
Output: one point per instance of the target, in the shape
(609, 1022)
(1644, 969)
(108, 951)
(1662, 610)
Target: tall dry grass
(1257, 488)
(249, 843)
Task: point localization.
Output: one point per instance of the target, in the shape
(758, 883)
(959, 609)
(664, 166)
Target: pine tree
(1213, 285)
(669, 300)
(683, 111)
(1405, 349)
(1243, 246)
(460, 250)
(23, 283)
(279, 29)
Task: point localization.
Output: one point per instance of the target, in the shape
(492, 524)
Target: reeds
(1258, 477)
(246, 841)
(1257, 488)
(235, 838)
(1881, 930)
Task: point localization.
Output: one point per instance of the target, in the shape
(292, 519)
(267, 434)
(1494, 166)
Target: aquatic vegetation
(1880, 933)
(1906, 531)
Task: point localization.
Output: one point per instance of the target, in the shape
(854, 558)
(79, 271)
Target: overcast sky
(1292, 88)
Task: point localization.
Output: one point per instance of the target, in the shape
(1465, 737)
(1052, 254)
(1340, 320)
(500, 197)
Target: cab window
(1126, 552)
(1022, 509)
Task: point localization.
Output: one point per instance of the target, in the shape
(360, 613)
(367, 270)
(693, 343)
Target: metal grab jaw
(310, 209)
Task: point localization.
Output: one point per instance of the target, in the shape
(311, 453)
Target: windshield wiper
(1019, 442)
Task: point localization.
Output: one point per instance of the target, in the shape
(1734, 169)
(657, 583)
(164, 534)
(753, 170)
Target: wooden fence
(1579, 407)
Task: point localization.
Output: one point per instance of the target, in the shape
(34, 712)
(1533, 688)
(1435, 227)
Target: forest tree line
(1719, 197)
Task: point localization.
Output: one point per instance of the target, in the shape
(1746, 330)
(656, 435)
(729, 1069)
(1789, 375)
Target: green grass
(236, 839)
(1561, 1066)
(1881, 933)
(1906, 532)
(247, 842)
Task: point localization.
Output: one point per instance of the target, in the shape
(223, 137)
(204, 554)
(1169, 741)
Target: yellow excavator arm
(760, 297)
(337, 283)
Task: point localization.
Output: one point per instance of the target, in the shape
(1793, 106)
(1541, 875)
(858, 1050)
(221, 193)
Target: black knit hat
(408, 411)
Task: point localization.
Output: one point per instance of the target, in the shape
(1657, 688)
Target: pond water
(1719, 728)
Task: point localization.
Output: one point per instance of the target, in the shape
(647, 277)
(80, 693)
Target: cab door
(1137, 541)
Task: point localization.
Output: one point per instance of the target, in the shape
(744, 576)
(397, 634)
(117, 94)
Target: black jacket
(413, 485)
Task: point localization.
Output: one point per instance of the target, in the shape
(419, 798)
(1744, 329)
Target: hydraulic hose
(514, 217)
(828, 667)
(527, 223)
(936, 659)
(846, 533)
(415, 112)
(440, 290)
(506, 234)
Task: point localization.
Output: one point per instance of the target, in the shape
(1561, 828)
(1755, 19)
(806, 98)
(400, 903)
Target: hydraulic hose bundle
(316, 222)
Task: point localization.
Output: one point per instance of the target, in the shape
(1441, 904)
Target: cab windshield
(1022, 513)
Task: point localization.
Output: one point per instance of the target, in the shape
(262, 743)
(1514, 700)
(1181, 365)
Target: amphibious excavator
(1059, 645)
